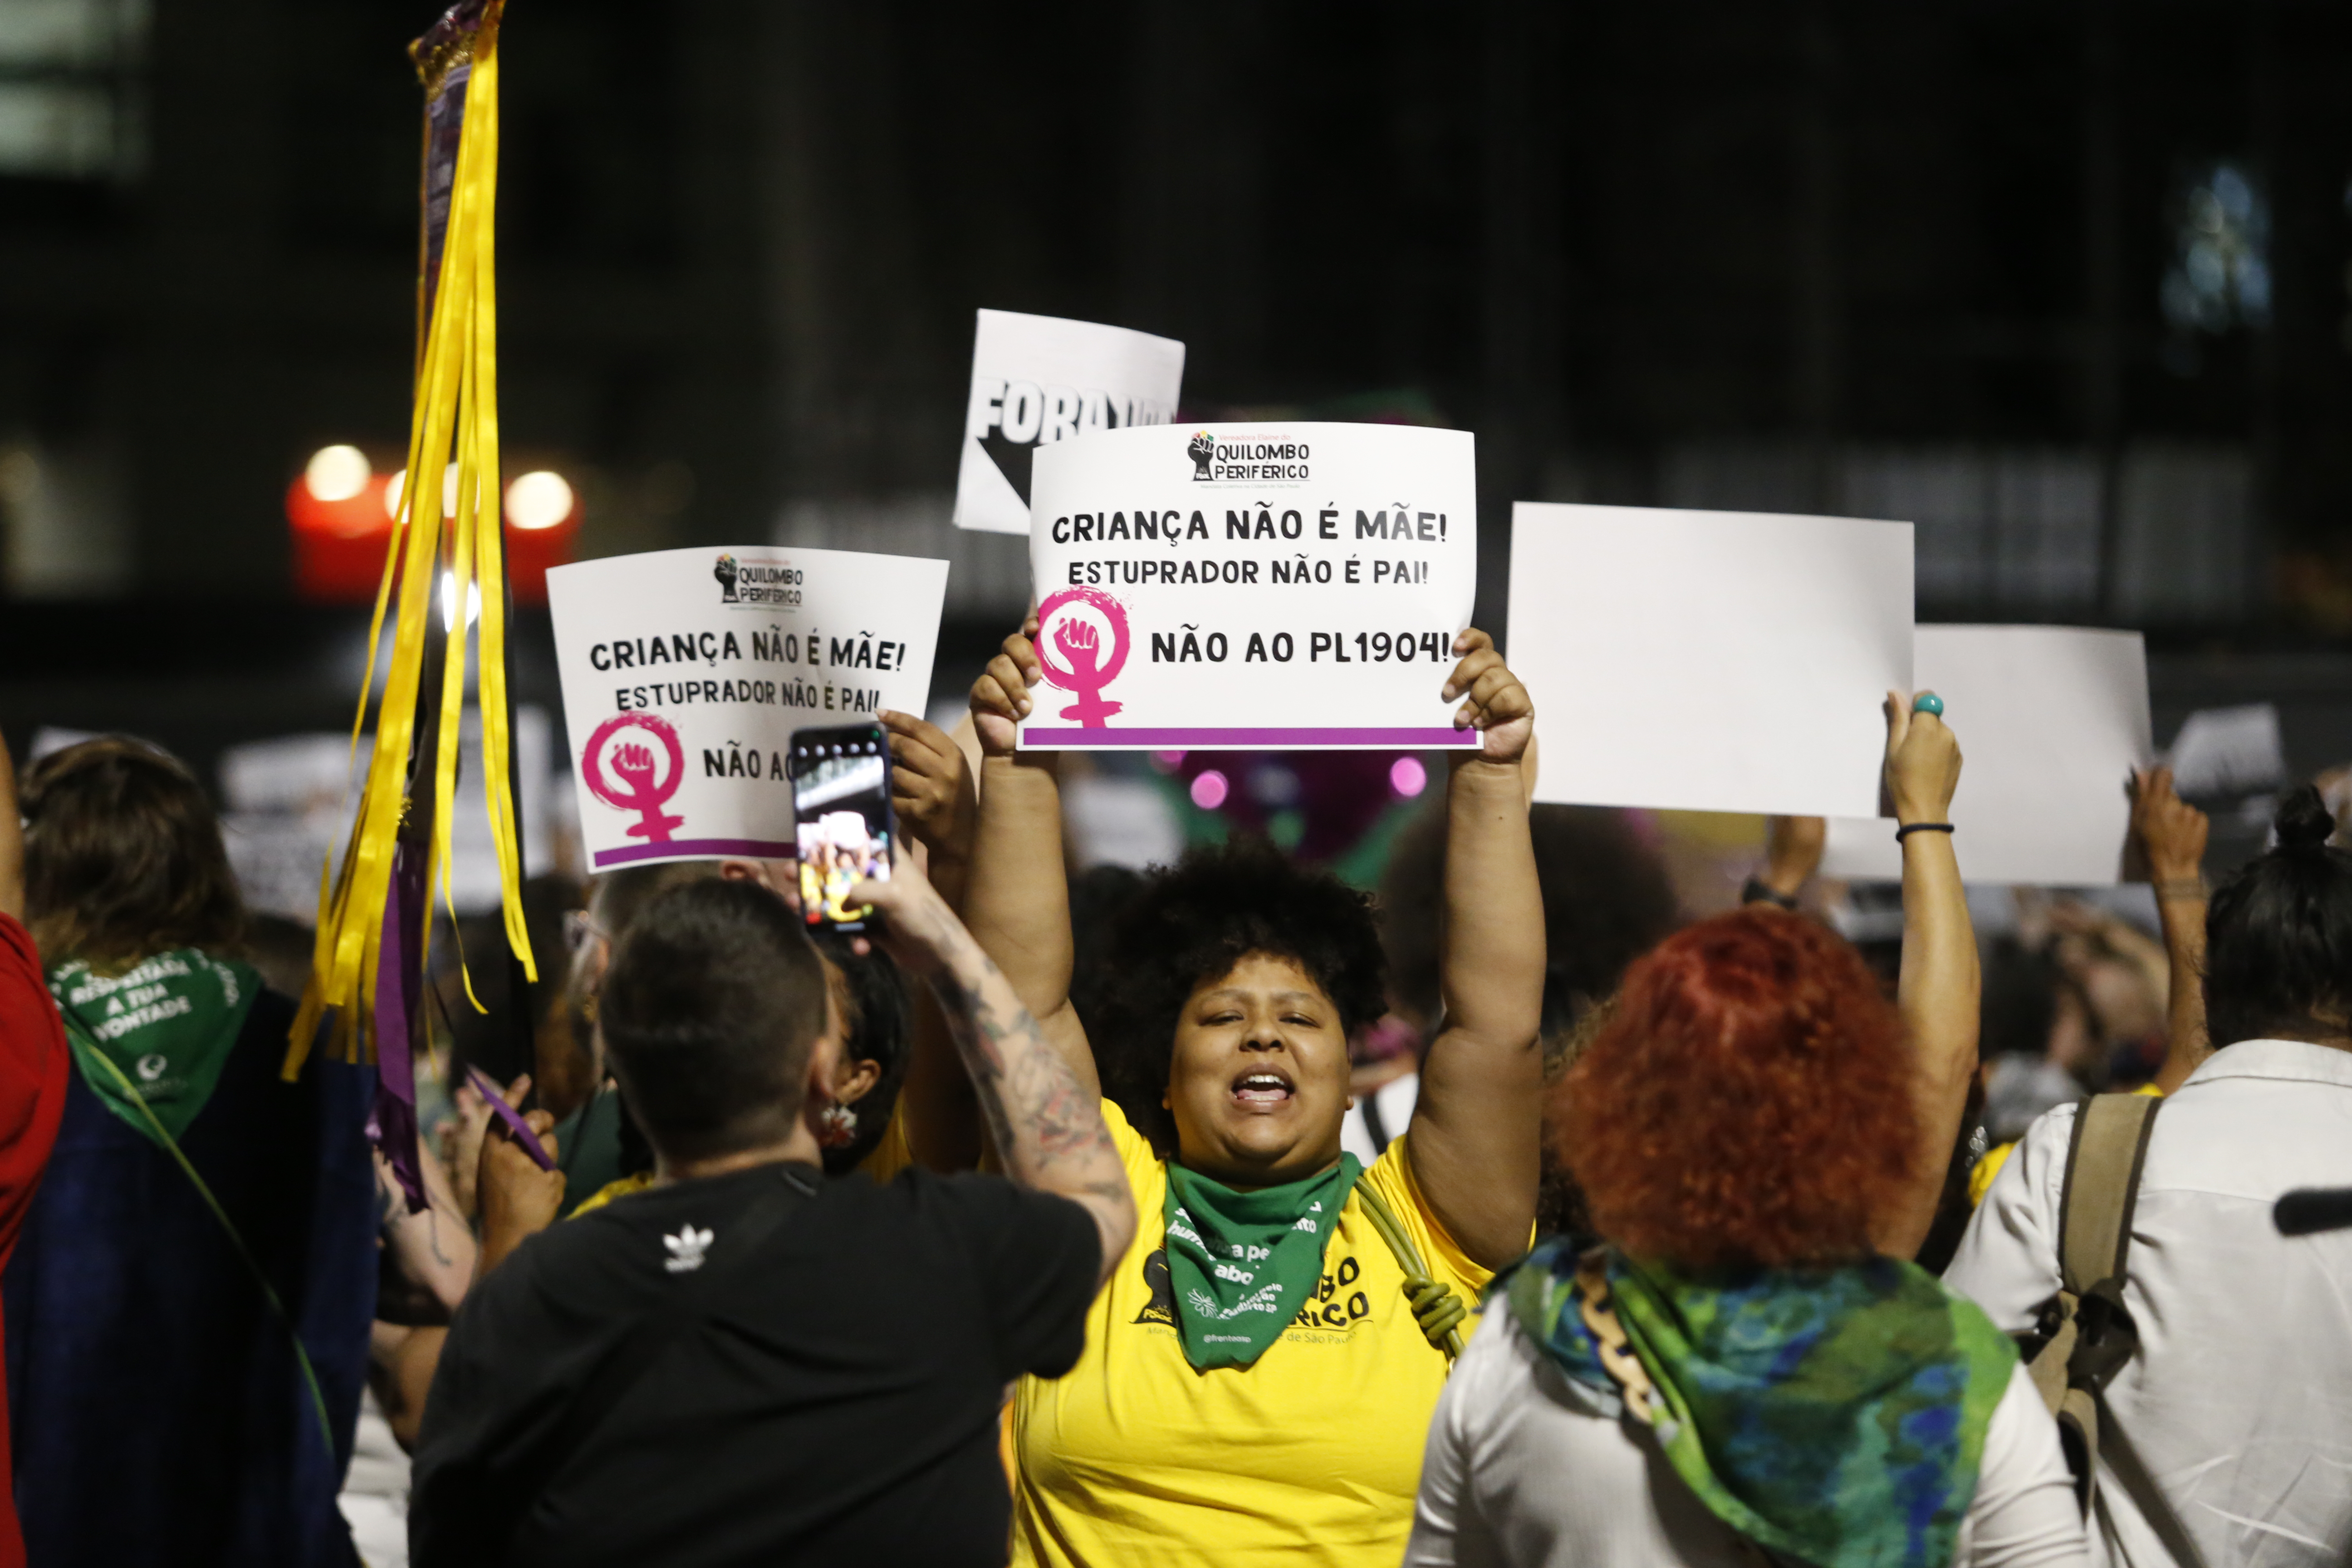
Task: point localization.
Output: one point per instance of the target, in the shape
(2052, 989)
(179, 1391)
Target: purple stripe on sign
(1412, 739)
(696, 848)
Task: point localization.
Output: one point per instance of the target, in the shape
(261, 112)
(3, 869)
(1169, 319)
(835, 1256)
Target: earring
(836, 1125)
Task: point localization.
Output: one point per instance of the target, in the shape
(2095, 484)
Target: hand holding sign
(1000, 697)
(2170, 831)
(1495, 704)
(1923, 763)
(930, 786)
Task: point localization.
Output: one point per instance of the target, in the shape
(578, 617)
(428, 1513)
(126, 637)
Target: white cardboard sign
(1230, 587)
(2051, 721)
(1037, 379)
(1708, 660)
(685, 671)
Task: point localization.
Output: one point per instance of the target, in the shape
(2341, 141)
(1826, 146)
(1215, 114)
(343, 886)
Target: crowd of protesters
(1221, 1214)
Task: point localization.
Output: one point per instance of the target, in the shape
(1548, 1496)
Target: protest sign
(1708, 660)
(1230, 587)
(1036, 380)
(685, 671)
(2051, 721)
(2224, 755)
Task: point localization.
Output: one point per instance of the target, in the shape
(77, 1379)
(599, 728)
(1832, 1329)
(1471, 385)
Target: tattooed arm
(434, 1250)
(1046, 1126)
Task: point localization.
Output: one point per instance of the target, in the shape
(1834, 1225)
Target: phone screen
(840, 801)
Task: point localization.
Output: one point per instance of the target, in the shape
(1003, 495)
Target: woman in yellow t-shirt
(1255, 1386)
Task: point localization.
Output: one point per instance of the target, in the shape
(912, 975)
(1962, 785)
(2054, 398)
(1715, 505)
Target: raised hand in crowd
(517, 1198)
(1000, 698)
(2172, 832)
(461, 1145)
(1939, 989)
(1792, 853)
(1045, 1127)
(1477, 1124)
(432, 1247)
(931, 790)
(434, 1254)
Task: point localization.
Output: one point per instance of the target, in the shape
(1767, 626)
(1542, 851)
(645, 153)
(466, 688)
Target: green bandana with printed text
(1242, 1264)
(166, 1025)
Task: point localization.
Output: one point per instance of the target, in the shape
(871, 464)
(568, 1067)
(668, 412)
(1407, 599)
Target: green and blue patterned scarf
(1834, 1415)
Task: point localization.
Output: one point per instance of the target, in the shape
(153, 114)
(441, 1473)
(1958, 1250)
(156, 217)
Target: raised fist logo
(1088, 628)
(634, 764)
(1201, 450)
(725, 572)
(1081, 645)
(635, 769)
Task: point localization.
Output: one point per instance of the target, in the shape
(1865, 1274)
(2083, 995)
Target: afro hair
(1193, 922)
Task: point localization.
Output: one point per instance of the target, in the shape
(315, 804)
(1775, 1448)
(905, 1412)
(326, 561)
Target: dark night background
(1930, 262)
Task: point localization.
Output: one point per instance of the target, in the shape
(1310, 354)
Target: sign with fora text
(1039, 380)
(1229, 586)
(685, 671)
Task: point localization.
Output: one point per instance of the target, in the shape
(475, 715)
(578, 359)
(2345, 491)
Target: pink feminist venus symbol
(1089, 670)
(634, 764)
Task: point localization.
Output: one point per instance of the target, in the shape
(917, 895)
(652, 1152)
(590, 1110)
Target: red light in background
(336, 511)
(338, 544)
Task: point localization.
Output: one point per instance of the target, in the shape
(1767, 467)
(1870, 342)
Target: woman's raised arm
(1474, 1126)
(2173, 834)
(1940, 985)
(1016, 896)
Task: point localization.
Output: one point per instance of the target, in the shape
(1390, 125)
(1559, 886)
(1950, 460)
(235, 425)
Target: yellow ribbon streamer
(455, 401)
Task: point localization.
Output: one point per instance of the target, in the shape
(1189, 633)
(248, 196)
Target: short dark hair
(2278, 934)
(711, 1007)
(616, 896)
(123, 856)
(1197, 919)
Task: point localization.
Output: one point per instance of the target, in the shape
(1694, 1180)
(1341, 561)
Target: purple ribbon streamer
(392, 1122)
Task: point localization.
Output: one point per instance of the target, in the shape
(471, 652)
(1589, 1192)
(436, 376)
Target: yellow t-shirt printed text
(1310, 1455)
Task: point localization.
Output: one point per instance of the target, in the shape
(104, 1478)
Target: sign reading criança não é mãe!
(685, 671)
(1251, 585)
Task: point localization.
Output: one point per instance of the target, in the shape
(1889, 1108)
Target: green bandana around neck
(1241, 1265)
(1836, 1415)
(159, 1032)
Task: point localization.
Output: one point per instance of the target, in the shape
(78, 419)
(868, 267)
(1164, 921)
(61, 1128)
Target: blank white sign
(1709, 660)
(2050, 721)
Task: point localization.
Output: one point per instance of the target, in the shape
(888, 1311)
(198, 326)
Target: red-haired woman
(1749, 1363)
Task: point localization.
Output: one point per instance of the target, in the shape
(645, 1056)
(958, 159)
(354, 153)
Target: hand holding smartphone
(840, 806)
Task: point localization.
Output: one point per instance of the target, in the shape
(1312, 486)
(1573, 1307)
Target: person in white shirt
(2226, 1437)
(1748, 1372)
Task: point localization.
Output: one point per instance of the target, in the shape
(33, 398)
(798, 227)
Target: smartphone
(841, 807)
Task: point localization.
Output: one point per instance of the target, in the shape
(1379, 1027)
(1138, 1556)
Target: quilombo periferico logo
(1253, 463)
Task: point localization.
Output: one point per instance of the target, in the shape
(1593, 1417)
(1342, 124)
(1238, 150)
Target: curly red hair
(1749, 1101)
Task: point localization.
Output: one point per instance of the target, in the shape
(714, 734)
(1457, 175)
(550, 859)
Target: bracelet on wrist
(2180, 889)
(1757, 890)
(1908, 829)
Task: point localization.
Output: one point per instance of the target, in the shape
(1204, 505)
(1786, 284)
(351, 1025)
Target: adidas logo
(686, 1250)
